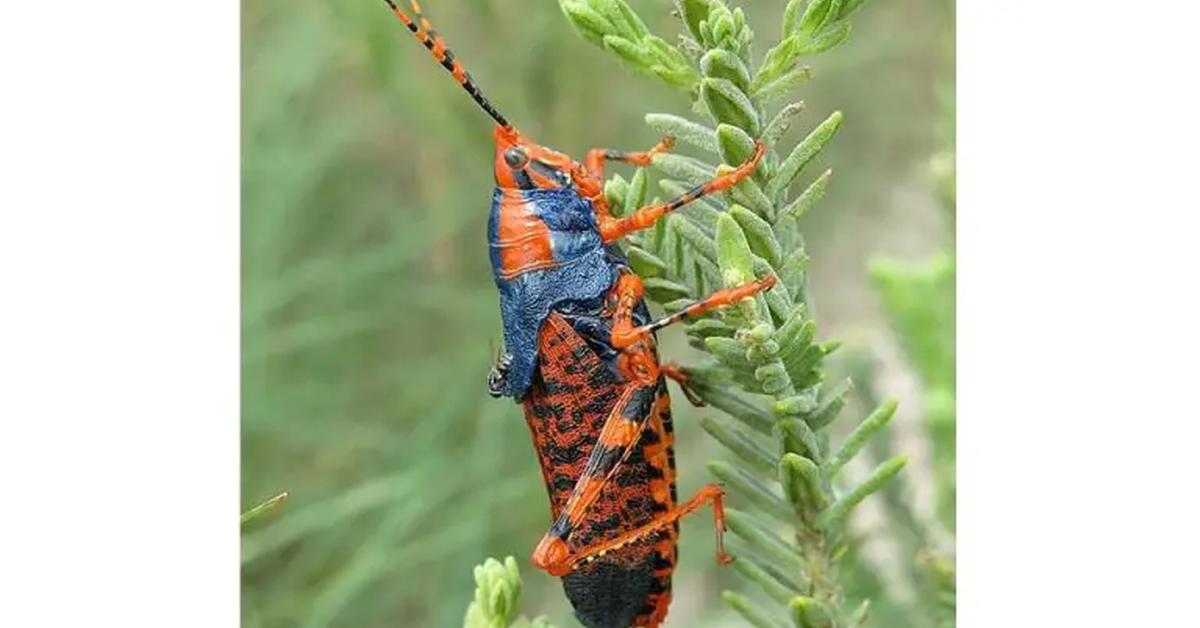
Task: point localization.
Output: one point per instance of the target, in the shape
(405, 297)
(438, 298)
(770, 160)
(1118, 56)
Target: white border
(119, 315)
(1077, 319)
(1077, 313)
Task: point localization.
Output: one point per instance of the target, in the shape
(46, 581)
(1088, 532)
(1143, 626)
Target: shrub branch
(765, 370)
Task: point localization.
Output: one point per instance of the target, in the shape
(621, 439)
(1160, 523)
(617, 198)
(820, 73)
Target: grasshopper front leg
(614, 229)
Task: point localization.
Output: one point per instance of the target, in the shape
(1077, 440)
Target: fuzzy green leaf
(782, 121)
(739, 19)
(816, 14)
(799, 438)
(768, 371)
(747, 609)
(750, 194)
(587, 21)
(753, 490)
(797, 344)
(683, 130)
(706, 327)
(769, 579)
(778, 60)
(638, 57)
(734, 405)
(682, 77)
(693, 12)
(848, 7)
(615, 190)
(759, 234)
(721, 25)
(733, 252)
(834, 515)
(779, 301)
(791, 273)
(766, 543)
(696, 239)
(669, 55)
(765, 351)
(737, 146)
(729, 104)
(795, 405)
(689, 169)
(630, 24)
(635, 197)
(859, 437)
(800, 367)
(797, 333)
(791, 16)
(664, 290)
(497, 594)
(611, 10)
(691, 273)
(677, 305)
(801, 479)
(773, 378)
(670, 250)
(740, 443)
(825, 40)
(709, 273)
(722, 64)
(809, 613)
(829, 407)
(804, 152)
(729, 351)
(809, 197)
(782, 85)
(646, 265)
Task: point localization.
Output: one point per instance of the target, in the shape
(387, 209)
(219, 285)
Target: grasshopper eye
(515, 157)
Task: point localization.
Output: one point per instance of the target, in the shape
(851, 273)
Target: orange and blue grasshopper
(580, 356)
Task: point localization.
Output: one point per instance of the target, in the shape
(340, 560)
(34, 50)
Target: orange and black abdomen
(572, 393)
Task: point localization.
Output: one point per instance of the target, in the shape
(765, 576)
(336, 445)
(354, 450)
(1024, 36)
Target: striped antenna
(423, 31)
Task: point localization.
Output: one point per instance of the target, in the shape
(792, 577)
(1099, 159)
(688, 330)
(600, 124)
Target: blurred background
(369, 319)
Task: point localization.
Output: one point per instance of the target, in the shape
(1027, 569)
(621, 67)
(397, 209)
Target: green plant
(264, 508)
(766, 368)
(497, 598)
(918, 298)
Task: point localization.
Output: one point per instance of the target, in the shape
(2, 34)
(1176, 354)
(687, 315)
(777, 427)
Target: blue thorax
(585, 270)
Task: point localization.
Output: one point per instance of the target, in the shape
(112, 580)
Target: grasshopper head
(522, 164)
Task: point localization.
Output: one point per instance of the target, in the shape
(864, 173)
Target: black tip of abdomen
(608, 595)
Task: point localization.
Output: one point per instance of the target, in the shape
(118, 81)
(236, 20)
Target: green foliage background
(370, 320)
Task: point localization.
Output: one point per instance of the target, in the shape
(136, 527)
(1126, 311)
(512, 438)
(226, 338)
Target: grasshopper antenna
(423, 31)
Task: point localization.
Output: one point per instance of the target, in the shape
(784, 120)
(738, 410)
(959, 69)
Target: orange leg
(677, 373)
(624, 334)
(618, 438)
(637, 360)
(553, 556)
(590, 178)
(623, 428)
(594, 162)
(613, 228)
